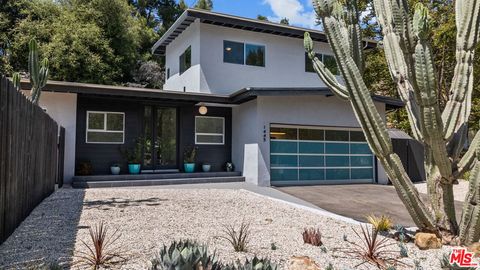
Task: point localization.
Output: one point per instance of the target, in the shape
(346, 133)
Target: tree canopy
(95, 41)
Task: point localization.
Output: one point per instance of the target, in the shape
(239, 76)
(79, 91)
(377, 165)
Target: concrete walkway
(358, 201)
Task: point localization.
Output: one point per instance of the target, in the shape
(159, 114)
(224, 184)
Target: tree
(262, 18)
(285, 21)
(182, 5)
(204, 4)
(443, 134)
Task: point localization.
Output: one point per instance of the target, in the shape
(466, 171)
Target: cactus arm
(355, 33)
(458, 107)
(467, 161)
(38, 72)
(396, 29)
(470, 222)
(374, 128)
(426, 94)
(324, 73)
(16, 80)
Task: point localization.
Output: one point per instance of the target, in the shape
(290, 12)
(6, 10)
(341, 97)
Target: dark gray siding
(101, 156)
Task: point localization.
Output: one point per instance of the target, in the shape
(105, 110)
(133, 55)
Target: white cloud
(294, 11)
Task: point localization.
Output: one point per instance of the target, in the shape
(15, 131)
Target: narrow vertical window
(186, 60)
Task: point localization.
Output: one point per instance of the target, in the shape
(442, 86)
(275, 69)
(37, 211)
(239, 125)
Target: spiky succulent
(254, 264)
(184, 255)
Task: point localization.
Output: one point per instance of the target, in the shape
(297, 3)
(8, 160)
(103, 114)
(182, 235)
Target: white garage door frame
(301, 161)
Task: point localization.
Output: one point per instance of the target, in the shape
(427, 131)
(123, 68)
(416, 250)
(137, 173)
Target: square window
(209, 130)
(255, 55)
(105, 127)
(233, 52)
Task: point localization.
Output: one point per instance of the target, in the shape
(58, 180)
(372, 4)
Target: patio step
(99, 181)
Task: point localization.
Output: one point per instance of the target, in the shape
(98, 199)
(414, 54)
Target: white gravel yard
(149, 218)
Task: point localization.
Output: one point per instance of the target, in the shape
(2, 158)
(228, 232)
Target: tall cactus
(410, 61)
(38, 73)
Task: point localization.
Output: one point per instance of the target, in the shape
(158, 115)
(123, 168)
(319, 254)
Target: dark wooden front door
(160, 138)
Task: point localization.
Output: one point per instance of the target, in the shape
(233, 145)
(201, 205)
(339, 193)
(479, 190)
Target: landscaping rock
(426, 241)
(475, 248)
(302, 263)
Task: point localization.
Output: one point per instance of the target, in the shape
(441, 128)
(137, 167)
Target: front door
(160, 138)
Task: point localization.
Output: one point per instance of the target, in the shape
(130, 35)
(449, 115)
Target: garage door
(316, 155)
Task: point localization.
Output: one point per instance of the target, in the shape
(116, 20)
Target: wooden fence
(28, 157)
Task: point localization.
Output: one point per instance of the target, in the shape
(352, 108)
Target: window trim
(104, 130)
(245, 53)
(217, 134)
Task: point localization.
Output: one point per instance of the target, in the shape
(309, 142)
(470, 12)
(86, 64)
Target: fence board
(28, 157)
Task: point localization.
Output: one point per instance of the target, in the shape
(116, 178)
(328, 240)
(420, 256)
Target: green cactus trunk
(409, 56)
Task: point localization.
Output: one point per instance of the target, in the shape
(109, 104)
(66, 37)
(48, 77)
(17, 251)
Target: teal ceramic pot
(189, 167)
(134, 168)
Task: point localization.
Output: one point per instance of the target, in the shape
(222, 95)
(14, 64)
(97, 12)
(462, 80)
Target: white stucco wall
(253, 119)
(62, 107)
(284, 61)
(190, 79)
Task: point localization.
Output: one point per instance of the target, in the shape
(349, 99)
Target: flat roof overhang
(239, 97)
(190, 15)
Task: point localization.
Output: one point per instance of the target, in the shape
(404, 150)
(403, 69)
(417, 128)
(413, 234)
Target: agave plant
(443, 133)
(185, 255)
(254, 264)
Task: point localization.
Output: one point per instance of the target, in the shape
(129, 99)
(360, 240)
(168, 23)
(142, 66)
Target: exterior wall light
(203, 110)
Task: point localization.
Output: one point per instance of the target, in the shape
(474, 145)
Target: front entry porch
(154, 179)
(160, 131)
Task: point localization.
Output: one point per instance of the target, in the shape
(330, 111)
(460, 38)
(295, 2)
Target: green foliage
(96, 41)
(190, 154)
(285, 21)
(254, 264)
(204, 4)
(38, 72)
(262, 18)
(237, 237)
(185, 255)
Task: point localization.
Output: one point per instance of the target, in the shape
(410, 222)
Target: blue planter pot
(134, 168)
(189, 167)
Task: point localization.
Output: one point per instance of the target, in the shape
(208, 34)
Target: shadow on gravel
(48, 234)
(122, 203)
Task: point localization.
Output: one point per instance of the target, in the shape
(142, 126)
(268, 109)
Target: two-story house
(242, 91)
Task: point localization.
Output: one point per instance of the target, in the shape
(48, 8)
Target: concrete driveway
(357, 201)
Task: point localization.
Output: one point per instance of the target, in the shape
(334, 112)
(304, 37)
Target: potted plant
(189, 157)
(134, 158)
(115, 169)
(206, 167)
(229, 167)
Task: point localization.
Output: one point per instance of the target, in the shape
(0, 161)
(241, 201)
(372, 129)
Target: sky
(299, 12)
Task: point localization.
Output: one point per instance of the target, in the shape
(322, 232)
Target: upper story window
(105, 127)
(243, 53)
(186, 60)
(327, 60)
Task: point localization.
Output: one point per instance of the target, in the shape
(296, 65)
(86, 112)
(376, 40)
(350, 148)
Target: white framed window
(105, 127)
(209, 130)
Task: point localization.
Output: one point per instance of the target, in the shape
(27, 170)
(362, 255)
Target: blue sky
(299, 12)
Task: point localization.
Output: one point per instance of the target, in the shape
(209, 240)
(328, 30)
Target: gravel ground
(459, 191)
(149, 218)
